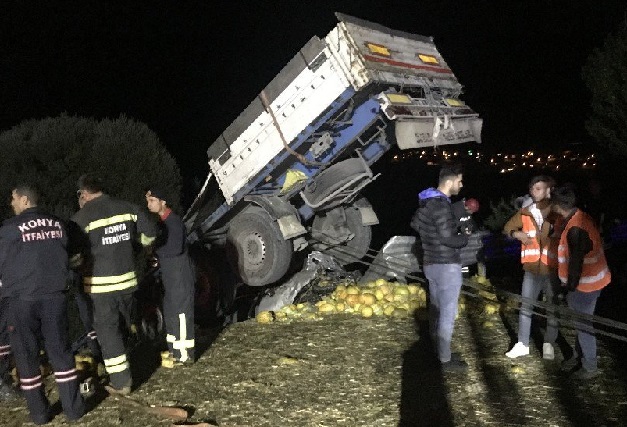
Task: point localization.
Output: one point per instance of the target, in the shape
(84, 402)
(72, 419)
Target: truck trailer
(287, 173)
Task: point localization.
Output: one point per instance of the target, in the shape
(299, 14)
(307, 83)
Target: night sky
(188, 68)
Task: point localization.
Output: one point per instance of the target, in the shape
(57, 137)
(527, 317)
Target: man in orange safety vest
(532, 225)
(583, 270)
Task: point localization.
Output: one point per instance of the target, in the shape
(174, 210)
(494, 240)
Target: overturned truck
(287, 174)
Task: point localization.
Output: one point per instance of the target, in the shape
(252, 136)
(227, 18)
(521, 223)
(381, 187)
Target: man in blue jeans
(532, 225)
(435, 223)
(583, 270)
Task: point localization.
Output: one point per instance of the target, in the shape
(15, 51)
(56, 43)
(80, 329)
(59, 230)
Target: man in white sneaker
(532, 225)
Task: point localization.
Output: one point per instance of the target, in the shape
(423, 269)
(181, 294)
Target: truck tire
(353, 249)
(256, 249)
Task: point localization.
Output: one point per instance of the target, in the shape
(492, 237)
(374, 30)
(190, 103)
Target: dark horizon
(188, 69)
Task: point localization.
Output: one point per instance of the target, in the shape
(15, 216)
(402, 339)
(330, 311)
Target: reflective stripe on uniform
(592, 279)
(116, 364)
(183, 343)
(104, 284)
(5, 350)
(146, 240)
(103, 280)
(528, 252)
(591, 260)
(102, 289)
(116, 219)
(30, 383)
(65, 376)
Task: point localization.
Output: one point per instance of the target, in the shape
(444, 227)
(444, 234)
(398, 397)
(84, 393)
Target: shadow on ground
(424, 399)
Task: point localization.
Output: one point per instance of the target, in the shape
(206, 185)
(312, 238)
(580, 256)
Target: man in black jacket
(178, 277)
(435, 223)
(106, 232)
(34, 273)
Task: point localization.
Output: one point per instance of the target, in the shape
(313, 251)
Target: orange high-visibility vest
(532, 252)
(595, 273)
(554, 241)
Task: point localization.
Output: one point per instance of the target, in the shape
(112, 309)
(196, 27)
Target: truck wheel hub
(255, 248)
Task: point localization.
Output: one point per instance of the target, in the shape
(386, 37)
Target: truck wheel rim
(255, 248)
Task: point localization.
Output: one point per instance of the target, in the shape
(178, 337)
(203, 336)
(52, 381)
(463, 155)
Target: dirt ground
(344, 370)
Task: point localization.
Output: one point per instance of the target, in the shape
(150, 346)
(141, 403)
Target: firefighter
(34, 269)
(178, 278)
(107, 229)
(84, 306)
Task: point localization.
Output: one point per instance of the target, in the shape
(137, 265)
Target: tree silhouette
(605, 75)
(52, 153)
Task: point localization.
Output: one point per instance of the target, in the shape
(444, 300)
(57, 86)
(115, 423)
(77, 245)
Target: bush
(53, 152)
(500, 213)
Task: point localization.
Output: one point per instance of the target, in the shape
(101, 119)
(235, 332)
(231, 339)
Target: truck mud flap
(432, 131)
(338, 184)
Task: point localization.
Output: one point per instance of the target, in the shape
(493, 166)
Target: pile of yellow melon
(377, 298)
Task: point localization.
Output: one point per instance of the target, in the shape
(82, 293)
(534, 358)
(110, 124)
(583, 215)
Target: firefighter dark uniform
(108, 228)
(34, 274)
(86, 314)
(178, 278)
(6, 391)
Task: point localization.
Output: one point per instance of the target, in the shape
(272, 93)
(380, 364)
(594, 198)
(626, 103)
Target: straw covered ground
(346, 370)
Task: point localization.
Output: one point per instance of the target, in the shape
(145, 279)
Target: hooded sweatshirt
(437, 227)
